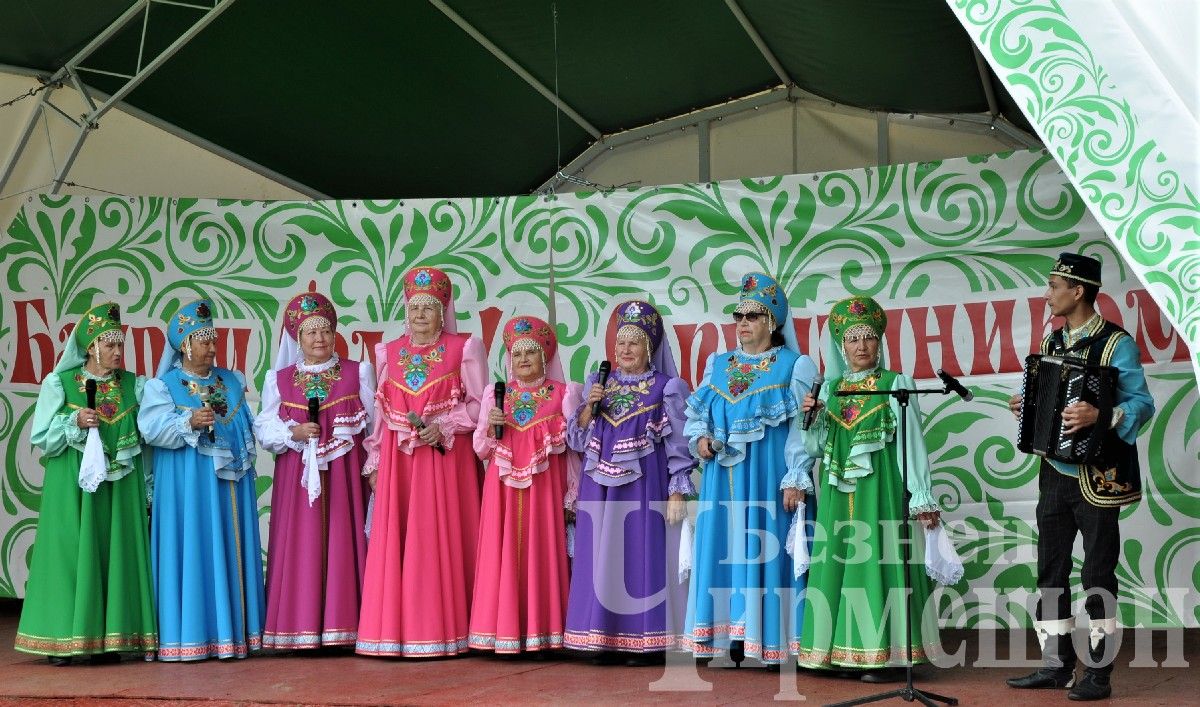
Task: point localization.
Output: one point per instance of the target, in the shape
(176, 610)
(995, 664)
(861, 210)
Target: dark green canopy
(371, 99)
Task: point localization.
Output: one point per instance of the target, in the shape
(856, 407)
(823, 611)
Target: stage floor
(350, 680)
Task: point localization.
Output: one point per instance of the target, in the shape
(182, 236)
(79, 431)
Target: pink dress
(421, 552)
(522, 576)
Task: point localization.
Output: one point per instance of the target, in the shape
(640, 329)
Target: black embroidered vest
(1115, 479)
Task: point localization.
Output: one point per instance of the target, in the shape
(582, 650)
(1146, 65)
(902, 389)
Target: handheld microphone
(314, 409)
(812, 412)
(605, 369)
(501, 389)
(418, 424)
(90, 387)
(954, 386)
(212, 437)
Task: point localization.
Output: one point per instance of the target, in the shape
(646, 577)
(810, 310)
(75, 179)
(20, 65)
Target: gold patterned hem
(79, 645)
(842, 657)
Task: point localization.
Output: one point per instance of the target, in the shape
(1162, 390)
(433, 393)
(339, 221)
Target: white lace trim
(190, 374)
(755, 357)
(856, 376)
(634, 377)
(318, 367)
(532, 385)
(93, 376)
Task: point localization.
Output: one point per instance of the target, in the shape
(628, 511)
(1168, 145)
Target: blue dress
(204, 538)
(743, 585)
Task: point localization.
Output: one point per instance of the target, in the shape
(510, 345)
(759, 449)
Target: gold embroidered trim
(328, 404)
(860, 418)
(522, 428)
(108, 420)
(423, 388)
(639, 411)
(747, 392)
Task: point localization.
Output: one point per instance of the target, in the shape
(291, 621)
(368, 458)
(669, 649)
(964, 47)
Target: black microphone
(501, 389)
(812, 411)
(954, 386)
(418, 424)
(605, 369)
(90, 386)
(314, 408)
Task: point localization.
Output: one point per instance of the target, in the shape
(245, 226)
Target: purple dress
(316, 553)
(625, 588)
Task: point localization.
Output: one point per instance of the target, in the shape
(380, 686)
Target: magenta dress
(317, 551)
(521, 568)
(421, 554)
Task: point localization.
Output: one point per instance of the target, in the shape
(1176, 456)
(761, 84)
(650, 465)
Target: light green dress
(89, 588)
(853, 614)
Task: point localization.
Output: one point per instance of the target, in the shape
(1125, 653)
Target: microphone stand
(908, 693)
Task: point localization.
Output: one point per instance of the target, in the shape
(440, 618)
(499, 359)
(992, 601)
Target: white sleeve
(272, 433)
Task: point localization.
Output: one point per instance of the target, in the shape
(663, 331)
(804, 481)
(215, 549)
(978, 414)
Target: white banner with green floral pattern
(1100, 82)
(957, 251)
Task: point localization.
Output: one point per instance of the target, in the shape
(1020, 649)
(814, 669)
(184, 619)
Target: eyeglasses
(748, 316)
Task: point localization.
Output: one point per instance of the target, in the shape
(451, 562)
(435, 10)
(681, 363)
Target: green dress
(853, 613)
(89, 588)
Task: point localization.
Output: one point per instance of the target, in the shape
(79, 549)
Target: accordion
(1052, 383)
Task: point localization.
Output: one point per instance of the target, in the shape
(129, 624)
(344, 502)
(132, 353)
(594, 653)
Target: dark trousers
(1061, 513)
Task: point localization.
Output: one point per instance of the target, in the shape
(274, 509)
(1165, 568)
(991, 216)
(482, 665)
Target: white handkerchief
(93, 470)
(686, 533)
(796, 545)
(942, 563)
(311, 478)
(370, 512)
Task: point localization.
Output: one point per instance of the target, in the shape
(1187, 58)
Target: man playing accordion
(1085, 498)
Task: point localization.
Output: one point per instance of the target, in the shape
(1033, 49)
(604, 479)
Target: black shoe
(1096, 682)
(737, 653)
(883, 675)
(642, 660)
(605, 658)
(104, 658)
(59, 660)
(1058, 666)
(1092, 686)
(1045, 679)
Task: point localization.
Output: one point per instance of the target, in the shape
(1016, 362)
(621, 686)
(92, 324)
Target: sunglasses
(748, 316)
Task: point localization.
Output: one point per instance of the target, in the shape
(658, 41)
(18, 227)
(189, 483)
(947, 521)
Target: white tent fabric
(1111, 87)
